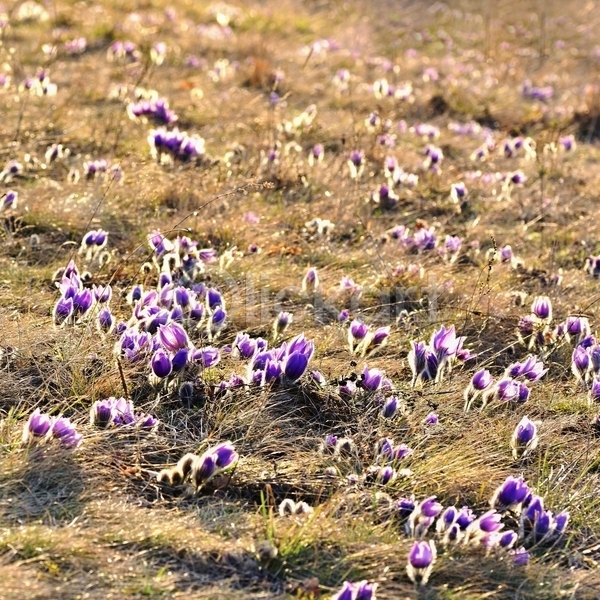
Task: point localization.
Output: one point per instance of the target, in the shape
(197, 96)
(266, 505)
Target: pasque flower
(363, 590)
(173, 337)
(510, 494)
(161, 364)
(38, 425)
(524, 438)
(541, 309)
(421, 558)
(481, 381)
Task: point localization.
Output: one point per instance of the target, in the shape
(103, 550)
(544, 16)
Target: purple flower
(524, 438)
(123, 411)
(173, 337)
(347, 389)
(10, 200)
(520, 556)
(179, 360)
(430, 507)
(356, 158)
(318, 378)
(102, 412)
(344, 315)
(374, 379)
(594, 393)
(225, 455)
(482, 380)
(82, 302)
(406, 506)
(577, 328)
(424, 239)
(204, 468)
(541, 308)
(488, 522)
(281, 323)
(465, 517)
(358, 330)
(458, 191)
(356, 591)
(38, 425)
(508, 539)
(510, 494)
(65, 432)
(532, 369)
(63, 310)
(420, 561)
(385, 475)
(295, 366)
(161, 364)
(310, 280)
(390, 407)
(207, 357)
(105, 320)
(507, 390)
(431, 419)
(581, 363)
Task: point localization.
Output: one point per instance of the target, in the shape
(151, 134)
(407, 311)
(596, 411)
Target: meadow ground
(360, 165)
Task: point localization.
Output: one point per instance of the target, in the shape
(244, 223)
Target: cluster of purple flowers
(92, 243)
(288, 362)
(40, 85)
(363, 341)
(453, 526)
(199, 470)
(126, 50)
(76, 301)
(155, 108)
(396, 175)
(175, 145)
(508, 387)
(543, 94)
(118, 412)
(387, 457)
(43, 427)
(430, 362)
(363, 590)
(180, 259)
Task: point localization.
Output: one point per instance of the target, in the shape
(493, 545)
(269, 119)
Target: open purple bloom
(507, 390)
(489, 522)
(207, 357)
(102, 412)
(38, 425)
(65, 431)
(374, 379)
